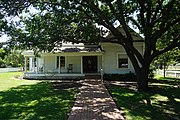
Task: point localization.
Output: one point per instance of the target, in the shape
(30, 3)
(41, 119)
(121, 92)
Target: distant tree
(2, 63)
(168, 58)
(2, 53)
(75, 20)
(14, 59)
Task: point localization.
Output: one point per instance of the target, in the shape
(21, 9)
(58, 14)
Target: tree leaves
(77, 20)
(52, 24)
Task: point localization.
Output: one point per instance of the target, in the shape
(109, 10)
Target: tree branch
(149, 12)
(163, 29)
(174, 44)
(123, 23)
(142, 11)
(132, 58)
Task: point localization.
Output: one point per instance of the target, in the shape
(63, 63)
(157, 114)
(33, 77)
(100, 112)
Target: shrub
(120, 77)
(2, 63)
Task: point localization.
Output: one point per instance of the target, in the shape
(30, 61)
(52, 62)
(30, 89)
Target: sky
(4, 38)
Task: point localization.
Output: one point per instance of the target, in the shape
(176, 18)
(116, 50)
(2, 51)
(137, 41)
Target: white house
(72, 61)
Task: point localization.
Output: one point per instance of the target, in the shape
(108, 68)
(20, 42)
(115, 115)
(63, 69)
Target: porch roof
(70, 48)
(78, 49)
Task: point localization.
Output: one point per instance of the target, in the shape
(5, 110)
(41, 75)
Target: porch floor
(70, 75)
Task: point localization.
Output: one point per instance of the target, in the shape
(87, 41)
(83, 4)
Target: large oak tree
(77, 20)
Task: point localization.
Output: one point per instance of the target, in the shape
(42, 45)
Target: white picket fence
(172, 73)
(3, 70)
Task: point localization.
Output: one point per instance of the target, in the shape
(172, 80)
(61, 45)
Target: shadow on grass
(39, 101)
(160, 103)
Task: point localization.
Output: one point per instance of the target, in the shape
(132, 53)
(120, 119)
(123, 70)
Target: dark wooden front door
(89, 64)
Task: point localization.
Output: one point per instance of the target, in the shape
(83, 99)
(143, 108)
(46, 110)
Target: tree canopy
(77, 20)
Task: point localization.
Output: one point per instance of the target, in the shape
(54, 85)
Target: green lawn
(30, 99)
(9, 80)
(160, 103)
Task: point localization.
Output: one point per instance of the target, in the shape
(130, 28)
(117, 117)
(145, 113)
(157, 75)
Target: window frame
(58, 62)
(126, 57)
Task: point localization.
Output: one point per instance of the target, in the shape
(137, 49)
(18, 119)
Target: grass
(30, 99)
(9, 80)
(160, 103)
(168, 79)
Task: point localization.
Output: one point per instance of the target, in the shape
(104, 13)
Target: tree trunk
(142, 78)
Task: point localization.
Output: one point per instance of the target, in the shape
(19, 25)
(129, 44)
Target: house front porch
(63, 65)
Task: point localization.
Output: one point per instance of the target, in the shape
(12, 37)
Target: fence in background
(3, 70)
(172, 73)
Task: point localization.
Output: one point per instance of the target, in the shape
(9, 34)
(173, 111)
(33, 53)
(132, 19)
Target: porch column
(37, 67)
(59, 67)
(33, 66)
(44, 64)
(34, 69)
(25, 64)
(81, 64)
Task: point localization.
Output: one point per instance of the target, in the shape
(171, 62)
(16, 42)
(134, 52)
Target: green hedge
(120, 77)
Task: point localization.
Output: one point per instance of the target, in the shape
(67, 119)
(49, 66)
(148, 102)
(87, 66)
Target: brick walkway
(94, 103)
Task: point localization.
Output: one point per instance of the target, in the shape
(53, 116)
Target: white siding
(76, 61)
(111, 52)
(110, 59)
(49, 64)
(140, 49)
(40, 62)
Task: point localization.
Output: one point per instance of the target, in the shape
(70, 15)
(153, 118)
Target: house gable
(136, 37)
